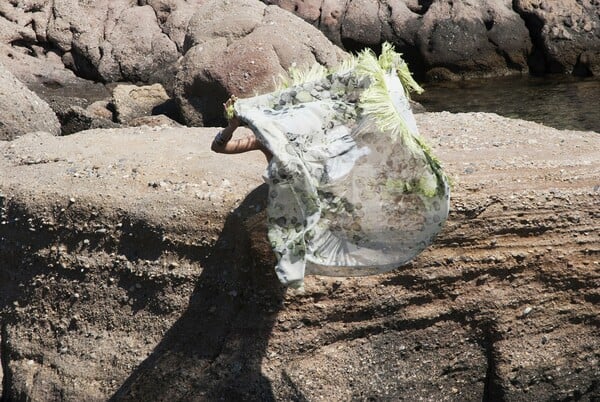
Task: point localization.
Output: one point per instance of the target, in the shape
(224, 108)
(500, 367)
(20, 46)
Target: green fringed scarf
(353, 189)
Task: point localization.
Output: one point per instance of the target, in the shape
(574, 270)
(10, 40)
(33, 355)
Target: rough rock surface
(241, 48)
(129, 40)
(136, 49)
(443, 39)
(22, 111)
(566, 35)
(43, 72)
(132, 101)
(76, 119)
(134, 266)
(102, 40)
(59, 87)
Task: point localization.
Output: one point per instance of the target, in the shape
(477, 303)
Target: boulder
(441, 39)
(137, 50)
(75, 354)
(242, 48)
(76, 119)
(22, 110)
(141, 41)
(102, 40)
(14, 25)
(134, 266)
(473, 38)
(566, 35)
(132, 101)
(102, 109)
(45, 75)
(173, 17)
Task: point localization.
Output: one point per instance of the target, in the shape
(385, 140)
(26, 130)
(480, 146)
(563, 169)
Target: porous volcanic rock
(441, 38)
(242, 48)
(22, 110)
(173, 17)
(134, 266)
(566, 35)
(129, 197)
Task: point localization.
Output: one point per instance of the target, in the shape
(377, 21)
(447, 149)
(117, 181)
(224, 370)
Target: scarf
(353, 188)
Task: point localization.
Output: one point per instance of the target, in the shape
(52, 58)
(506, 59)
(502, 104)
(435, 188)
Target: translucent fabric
(345, 197)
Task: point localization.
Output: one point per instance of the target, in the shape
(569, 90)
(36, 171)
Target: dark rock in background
(202, 52)
(440, 39)
(77, 119)
(566, 35)
(132, 101)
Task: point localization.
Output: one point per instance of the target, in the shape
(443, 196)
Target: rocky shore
(134, 267)
(143, 41)
(134, 263)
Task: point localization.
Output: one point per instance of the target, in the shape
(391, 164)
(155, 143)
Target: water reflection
(562, 102)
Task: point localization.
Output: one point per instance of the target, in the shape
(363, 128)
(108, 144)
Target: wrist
(233, 123)
(222, 138)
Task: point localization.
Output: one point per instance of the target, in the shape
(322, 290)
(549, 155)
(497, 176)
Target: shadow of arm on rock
(215, 349)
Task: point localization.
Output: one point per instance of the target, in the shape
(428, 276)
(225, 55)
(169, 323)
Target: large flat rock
(134, 266)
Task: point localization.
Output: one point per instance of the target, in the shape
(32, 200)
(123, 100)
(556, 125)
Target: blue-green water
(562, 102)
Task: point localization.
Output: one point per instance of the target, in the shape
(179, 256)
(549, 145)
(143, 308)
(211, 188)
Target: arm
(223, 144)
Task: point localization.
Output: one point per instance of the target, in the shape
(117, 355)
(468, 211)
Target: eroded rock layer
(134, 266)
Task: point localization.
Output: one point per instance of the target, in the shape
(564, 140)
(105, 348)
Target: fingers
(232, 99)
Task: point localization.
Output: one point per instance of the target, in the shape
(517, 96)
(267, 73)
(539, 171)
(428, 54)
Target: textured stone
(566, 35)
(132, 101)
(242, 48)
(464, 38)
(134, 265)
(22, 110)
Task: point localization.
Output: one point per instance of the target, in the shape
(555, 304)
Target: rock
(137, 50)
(102, 109)
(566, 36)
(76, 114)
(377, 369)
(522, 233)
(464, 38)
(61, 105)
(142, 42)
(131, 101)
(77, 119)
(102, 40)
(242, 48)
(173, 17)
(417, 107)
(29, 69)
(154, 121)
(14, 25)
(482, 38)
(22, 110)
(51, 80)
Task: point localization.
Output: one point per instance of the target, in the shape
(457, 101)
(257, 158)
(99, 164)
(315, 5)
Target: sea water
(562, 102)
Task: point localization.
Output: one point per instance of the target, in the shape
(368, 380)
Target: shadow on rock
(214, 351)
